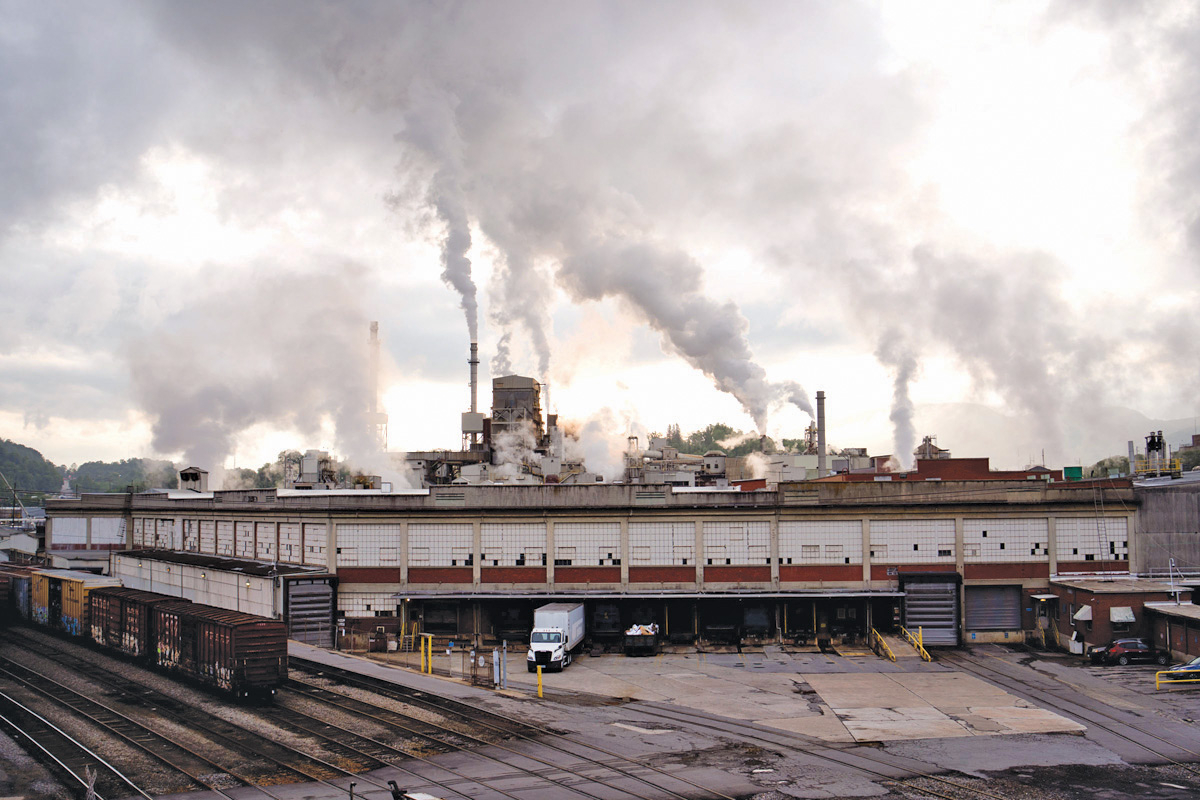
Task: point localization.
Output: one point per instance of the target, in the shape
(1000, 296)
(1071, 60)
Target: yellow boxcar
(60, 598)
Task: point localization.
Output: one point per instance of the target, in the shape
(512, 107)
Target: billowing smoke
(430, 128)
(731, 442)
(286, 351)
(520, 296)
(512, 450)
(626, 139)
(895, 353)
(598, 442)
(663, 285)
(758, 464)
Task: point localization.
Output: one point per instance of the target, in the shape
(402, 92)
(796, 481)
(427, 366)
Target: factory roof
(1122, 585)
(1172, 609)
(266, 569)
(949, 469)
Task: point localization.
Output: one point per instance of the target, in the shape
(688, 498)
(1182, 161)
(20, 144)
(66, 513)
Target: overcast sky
(975, 221)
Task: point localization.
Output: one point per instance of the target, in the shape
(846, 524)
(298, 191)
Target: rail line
(372, 753)
(70, 756)
(1075, 709)
(159, 747)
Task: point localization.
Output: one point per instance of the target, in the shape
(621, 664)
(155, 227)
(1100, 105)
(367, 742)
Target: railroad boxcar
(243, 654)
(123, 619)
(22, 596)
(14, 592)
(60, 598)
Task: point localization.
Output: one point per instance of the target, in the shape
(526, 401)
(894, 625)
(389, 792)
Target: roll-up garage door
(993, 608)
(932, 607)
(310, 606)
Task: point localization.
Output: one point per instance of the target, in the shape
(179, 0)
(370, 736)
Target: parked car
(1128, 651)
(1184, 672)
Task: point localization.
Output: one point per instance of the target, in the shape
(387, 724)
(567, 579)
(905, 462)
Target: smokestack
(474, 362)
(1131, 457)
(821, 434)
(377, 420)
(373, 406)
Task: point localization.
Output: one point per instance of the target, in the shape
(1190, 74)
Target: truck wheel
(531, 667)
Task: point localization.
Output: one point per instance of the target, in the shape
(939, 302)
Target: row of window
(815, 542)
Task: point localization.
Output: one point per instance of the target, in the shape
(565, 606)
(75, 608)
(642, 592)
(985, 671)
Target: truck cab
(547, 648)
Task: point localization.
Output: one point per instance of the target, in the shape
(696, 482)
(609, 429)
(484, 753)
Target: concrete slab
(1027, 719)
(862, 691)
(827, 727)
(887, 724)
(887, 707)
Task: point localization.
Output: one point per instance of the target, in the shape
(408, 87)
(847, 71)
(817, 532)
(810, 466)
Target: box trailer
(558, 634)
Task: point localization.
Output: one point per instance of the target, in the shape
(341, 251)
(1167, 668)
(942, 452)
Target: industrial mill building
(962, 559)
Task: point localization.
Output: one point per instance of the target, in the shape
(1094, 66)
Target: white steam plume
(663, 286)
(227, 365)
(894, 352)
(430, 128)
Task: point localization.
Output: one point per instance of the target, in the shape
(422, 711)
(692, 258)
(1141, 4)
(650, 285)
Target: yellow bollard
(539, 680)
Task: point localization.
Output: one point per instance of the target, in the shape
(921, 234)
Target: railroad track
(528, 774)
(1112, 724)
(893, 770)
(166, 751)
(70, 758)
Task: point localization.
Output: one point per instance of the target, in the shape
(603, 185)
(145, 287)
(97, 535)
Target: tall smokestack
(373, 404)
(377, 419)
(474, 362)
(821, 434)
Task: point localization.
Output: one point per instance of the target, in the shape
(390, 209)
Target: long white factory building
(959, 558)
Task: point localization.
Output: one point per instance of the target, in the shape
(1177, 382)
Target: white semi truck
(558, 632)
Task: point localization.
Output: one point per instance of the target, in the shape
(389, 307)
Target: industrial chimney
(472, 421)
(821, 473)
(474, 362)
(377, 419)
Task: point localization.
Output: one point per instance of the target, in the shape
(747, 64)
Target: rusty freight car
(242, 654)
(123, 619)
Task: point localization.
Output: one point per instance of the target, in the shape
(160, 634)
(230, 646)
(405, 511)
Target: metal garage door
(993, 608)
(310, 605)
(932, 607)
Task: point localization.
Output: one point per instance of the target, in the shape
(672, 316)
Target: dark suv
(1128, 651)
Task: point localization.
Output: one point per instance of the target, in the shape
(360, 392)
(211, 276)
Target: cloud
(286, 350)
(596, 153)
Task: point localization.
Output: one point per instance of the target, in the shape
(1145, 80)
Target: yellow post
(785, 625)
(429, 641)
(539, 680)
(921, 636)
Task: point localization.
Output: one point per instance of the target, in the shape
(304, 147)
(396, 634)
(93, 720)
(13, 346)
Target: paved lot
(1009, 742)
(839, 699)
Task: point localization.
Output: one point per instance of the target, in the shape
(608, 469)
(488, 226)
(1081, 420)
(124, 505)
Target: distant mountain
(119, 476)
(26, 469)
